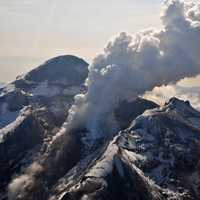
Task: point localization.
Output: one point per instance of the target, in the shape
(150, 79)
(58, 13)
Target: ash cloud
(133, 64)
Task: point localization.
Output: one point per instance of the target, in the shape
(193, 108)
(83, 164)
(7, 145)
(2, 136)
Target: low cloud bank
(162, 94)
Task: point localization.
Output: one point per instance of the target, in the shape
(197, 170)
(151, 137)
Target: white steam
(131, 65)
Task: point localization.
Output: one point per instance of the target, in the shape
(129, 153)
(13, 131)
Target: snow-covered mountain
(155, 156)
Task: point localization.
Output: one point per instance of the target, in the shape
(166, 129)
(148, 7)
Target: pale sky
(32, 31)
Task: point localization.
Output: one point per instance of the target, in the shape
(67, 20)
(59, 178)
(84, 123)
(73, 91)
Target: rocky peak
(65, 69)
(181, 107)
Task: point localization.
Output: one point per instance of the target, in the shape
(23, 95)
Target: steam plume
(131, 65)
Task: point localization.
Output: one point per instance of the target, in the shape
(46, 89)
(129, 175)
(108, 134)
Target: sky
(33, 31)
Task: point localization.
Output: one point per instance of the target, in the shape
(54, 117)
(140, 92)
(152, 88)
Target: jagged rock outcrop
(129, 110)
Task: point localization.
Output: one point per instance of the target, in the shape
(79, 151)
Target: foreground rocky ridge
(157, 157)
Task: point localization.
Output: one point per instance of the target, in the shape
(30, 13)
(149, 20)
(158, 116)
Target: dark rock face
(156, 158)
(127, 111)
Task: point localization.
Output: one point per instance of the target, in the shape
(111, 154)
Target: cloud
(133, 64)
(162, 94)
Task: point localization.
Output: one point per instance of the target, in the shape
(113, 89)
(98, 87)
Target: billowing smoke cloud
(131, 65)
(162, 94)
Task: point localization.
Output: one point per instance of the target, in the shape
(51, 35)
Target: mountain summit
(69, 69)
